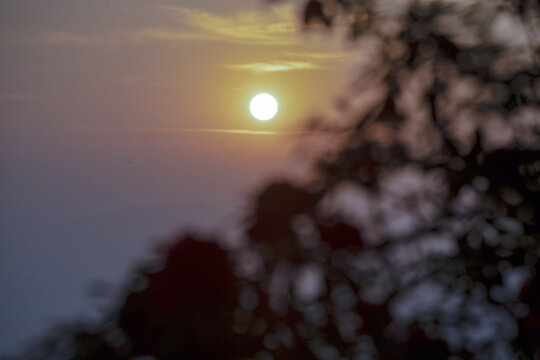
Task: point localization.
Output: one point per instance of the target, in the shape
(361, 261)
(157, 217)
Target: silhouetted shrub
(186, 309)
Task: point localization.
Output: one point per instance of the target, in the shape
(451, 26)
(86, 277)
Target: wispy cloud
(15, 97)
(216, 131)
(274, 27)
(274, 66)
(68, 38)
(302, 61)
(318, 55)
(171, 35)
(206, 131)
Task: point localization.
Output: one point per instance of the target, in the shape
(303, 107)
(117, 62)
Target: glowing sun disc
(263, 107)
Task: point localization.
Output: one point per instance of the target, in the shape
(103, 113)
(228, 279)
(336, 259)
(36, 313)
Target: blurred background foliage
(417, 236)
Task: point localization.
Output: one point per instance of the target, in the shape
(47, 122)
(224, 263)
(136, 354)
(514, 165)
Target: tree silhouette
(418, 238)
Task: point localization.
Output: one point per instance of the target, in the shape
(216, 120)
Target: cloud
(217, 131)
(274, 27)
(275, 66)
(15, 97)
(206, 131)
(318, 55)
(67, 38)
(301, 61)
(171, 35)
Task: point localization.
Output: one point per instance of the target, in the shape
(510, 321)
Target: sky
(123, 122)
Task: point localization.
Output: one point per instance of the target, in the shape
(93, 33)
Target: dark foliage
(186, 310)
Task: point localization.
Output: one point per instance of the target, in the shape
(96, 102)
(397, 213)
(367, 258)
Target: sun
(263, 107)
